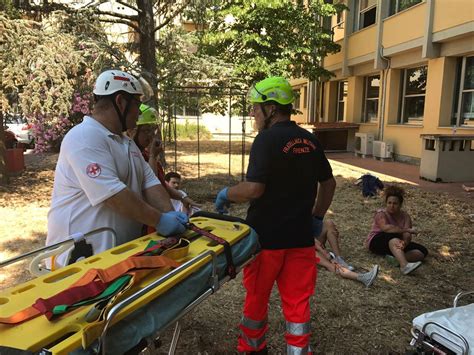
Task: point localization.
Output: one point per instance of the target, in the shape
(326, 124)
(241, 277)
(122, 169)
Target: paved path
(404, 172)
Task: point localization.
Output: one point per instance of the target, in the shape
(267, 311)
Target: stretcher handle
(71, 239)
(122, 304)
(459, 295)
(464, 350)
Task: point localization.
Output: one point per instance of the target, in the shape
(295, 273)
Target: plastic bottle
(391, 260)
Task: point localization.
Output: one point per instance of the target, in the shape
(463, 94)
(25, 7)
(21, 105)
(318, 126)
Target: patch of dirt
(346, 317)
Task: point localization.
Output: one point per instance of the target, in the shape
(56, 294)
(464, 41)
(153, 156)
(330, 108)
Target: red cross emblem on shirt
(93, 170)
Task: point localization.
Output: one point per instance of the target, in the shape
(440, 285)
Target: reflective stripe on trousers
(295, 350)
(253, 324)
(252, 332)
(298, 328)
(255, 343)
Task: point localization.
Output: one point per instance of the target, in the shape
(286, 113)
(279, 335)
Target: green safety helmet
(275, 88)
(148, 115)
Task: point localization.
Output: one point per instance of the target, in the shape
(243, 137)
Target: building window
(366, 14)
(296, 103)
(400, 5)
(463, 113)
(341, 100)
(340, 19)
(413, 94)
(371, 98)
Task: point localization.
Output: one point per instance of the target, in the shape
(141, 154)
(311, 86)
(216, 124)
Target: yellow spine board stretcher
(71, 331)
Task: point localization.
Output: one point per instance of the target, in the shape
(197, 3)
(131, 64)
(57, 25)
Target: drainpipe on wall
(381, 62)
(384, 94)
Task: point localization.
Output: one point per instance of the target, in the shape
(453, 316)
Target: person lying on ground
(392, 233)
(329, 263)
(330, 234)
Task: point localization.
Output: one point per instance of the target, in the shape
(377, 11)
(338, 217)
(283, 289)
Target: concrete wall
(404, 26)
(451, 13)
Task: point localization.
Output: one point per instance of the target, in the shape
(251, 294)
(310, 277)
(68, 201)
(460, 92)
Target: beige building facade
(406, 68)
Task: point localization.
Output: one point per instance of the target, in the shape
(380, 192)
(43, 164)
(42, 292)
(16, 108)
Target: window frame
(397, 7)
(460, 92)
(366, 91)
(360, 13)
(339, 101)
(404, 96)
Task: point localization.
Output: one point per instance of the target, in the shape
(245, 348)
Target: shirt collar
(88, 120)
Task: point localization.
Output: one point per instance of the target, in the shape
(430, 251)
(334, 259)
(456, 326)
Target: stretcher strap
(101, 277)
(157, 247)
(110, 291)
(90, 285)
(231, 271)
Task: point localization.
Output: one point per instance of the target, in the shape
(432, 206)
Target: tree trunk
(3, 152)
(147, 44)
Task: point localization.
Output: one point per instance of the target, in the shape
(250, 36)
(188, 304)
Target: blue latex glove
(317, 226)
(222, 202)
(172, 223)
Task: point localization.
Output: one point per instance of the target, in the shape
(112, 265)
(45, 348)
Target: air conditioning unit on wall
(363, 143)
(382, 150)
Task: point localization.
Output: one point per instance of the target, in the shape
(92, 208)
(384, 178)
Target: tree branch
(128, 5)
(116, 15)
(172, 16)
(125, 22)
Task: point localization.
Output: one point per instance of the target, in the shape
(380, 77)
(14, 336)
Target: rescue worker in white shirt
(282, 212)
(101, 178)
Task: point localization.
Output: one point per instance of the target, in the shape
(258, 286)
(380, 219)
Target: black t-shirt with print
(289, 161)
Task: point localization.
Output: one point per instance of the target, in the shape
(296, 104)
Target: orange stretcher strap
(95, 277)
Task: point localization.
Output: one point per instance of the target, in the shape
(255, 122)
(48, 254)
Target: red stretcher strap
(90, 284)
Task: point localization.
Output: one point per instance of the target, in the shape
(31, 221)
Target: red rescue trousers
(295, 272)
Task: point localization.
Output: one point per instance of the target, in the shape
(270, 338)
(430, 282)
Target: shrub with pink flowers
(49, 131)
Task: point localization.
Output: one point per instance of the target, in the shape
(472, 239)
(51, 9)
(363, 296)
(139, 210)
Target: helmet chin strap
(122, 116)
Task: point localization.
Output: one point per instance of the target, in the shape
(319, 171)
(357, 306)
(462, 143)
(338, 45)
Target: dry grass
(347, 318)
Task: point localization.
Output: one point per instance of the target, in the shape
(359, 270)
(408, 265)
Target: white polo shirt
(93, 165)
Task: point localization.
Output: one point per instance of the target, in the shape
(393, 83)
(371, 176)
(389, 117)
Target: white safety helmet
(111, 81)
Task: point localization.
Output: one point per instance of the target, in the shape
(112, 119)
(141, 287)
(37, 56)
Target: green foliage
(8, 9)
(189, 131)
(271, 37)
(182, 68)
(43, 64)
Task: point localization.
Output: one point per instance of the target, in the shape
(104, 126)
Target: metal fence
(188, 103)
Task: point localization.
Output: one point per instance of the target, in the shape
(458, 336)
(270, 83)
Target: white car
(20, 127)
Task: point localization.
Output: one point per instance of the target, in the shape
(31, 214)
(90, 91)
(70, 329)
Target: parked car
(10, 139)
(20, 128)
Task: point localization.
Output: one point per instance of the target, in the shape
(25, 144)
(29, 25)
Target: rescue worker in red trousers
(284, 213)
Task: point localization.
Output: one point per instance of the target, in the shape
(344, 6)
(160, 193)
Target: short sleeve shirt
(290, 162)
(93, 165)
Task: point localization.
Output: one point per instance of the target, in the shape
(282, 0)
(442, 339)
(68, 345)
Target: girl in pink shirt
(392, 233)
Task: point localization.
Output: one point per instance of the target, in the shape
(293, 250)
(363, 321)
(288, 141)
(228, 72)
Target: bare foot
(467, 188)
